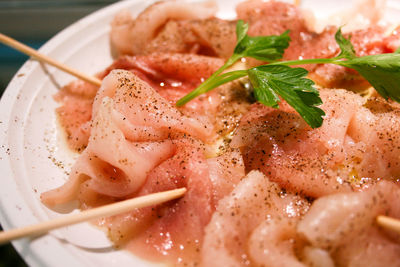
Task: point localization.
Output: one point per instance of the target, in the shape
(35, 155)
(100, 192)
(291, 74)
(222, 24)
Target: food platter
(33, 155)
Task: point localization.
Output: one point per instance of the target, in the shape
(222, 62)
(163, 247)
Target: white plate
(32, 149)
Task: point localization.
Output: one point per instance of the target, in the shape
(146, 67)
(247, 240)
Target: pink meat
(375, 129)
(344, 224)
(172, 75)
(280, 17)
(114, 170)
(169, 67)
(131, 116)
(226, 171)
(142, 106)
(130, 36)
(356, 144)
(210, 37)
(75, 112)
(284, 147)
(174, 231)
(175, 75)
(254, 210)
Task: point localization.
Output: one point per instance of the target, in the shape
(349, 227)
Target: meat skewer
(388, 223)
(42, 58)
(383, 221)
(108, 210)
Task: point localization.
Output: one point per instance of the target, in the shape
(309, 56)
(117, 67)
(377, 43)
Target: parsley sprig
(265, 48)
(278, 80)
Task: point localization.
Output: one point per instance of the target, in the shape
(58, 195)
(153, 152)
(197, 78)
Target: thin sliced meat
(171, 75)
(344, 224)
(273, 243)
(317, 257)
(375, 129)
(75, 112)
(162, 67)
(371, 248)
(279, 17)
(129, 137)
(255, 200)
(357, 144)
(176, 232)
(142, 106)
(131, 160)
(226, 171)
(130, 36)
(284, 147)
(211, 37)
(115, 166)
(175, 75)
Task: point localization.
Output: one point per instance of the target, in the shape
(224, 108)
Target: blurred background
(33, 23)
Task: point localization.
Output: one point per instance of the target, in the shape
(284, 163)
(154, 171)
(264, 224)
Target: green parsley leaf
(271, 81)
(265, 48)
(241, 30)
(381, 71)
(346, 47)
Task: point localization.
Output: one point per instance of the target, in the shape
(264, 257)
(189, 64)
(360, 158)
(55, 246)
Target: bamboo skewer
(388, 223)
(35, 54)
(108, 210)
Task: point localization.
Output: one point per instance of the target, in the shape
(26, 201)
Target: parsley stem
(306, 61)
(207, 84)
(227, 77)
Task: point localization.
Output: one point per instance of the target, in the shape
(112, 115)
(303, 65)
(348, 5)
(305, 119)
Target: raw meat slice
(125, 30)
(284, 147)
(76, 100)
(171, 75)
(175, 231)
(115, 166)
(344, 224)
(273, 243)
(357, 144)
(142, 106)
(226, 171)
(129, 137)
(211, 37)
(254, 200)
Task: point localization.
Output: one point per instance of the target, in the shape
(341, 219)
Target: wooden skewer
(35, 54)
(108, 210)
(388, 223)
